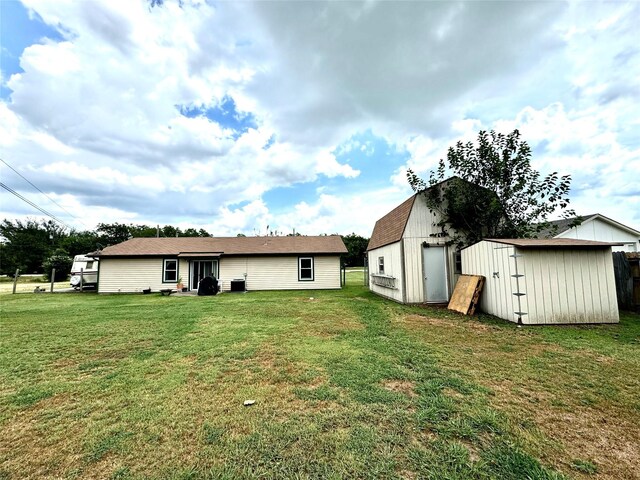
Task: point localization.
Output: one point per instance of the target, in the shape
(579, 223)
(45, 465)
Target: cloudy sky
(232, 116)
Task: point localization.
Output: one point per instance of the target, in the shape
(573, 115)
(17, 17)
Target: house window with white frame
(305, 269)
(381, 265)
(169, 270)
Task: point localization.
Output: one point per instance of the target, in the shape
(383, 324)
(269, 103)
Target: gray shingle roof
(563, 225)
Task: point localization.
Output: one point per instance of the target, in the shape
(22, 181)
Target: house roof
(389, 229)
(552, 243)
(206, 246)
(564, 225)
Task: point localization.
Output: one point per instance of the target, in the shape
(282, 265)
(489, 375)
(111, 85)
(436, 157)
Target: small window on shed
(170, 271)
(381, 265)
(457, 256)
(305, 269)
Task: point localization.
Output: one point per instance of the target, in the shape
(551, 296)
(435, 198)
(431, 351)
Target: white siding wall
(279, 273)
(392, 267)
(560, 286)
(486, 258)
(263, 273)
(420, 227)
(601, 231)
(121, 275)
(569, 286)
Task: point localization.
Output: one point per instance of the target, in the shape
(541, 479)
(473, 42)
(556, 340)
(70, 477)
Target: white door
(435, 274)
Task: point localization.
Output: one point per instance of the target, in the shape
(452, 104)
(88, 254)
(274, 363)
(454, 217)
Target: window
(381, 265)
(305, 269)
(89, 265)
(170, 271)
(457, 256)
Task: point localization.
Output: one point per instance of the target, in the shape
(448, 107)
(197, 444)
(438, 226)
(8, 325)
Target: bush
(61, 262)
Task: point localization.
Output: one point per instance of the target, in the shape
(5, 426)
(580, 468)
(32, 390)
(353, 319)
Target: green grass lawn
(347, 385)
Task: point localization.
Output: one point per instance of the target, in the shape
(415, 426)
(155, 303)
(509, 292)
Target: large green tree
(493, 191)
(25, 244)
(357, 247)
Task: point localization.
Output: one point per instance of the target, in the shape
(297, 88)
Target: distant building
(599, 228)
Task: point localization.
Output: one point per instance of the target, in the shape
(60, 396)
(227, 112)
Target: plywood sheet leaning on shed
(466, 294)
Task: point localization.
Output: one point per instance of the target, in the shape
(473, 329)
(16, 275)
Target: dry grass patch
(405, 387)
(577, 389)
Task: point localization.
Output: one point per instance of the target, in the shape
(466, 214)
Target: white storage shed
(408, 257)
(545, 281)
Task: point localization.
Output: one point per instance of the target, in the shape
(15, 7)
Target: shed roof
(183, 246)
(389, 229)
(552, 243)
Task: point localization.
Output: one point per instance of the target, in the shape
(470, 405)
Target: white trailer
(84, 272)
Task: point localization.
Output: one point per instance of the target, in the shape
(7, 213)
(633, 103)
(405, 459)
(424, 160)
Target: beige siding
(263, 273)
(420, 228)
(392, 268)
(570, 286)
(486, 258)
(601, 231)
(279, 273)
(119, 275)
(560, 286)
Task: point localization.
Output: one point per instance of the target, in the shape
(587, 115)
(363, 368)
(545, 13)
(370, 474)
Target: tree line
(34, 246)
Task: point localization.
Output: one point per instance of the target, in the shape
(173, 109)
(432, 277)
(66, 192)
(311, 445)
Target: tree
(61, 262)
(26, 244)
(494, 192)
(357, 247)
(79, 243)
(112, 233)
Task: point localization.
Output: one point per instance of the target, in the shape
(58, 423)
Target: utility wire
(10, 190)
(34, 186)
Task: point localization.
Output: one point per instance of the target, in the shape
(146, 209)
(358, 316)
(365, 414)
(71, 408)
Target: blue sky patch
(17, 32)
(224, 114)
(376, 159)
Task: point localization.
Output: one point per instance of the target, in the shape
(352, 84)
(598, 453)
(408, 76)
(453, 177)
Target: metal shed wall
(558, 285)
(421, 227)
(393, 267)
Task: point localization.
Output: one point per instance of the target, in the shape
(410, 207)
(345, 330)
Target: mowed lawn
(347, 385)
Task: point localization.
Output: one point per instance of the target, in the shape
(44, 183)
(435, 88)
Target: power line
(34, 186)
(26, 200)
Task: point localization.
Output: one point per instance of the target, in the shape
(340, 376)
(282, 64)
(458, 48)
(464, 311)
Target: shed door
(435, 274)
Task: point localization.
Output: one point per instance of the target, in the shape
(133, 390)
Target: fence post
(15, 280)
(53, 278)
(81, 279)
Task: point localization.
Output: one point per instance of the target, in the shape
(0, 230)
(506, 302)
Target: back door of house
(434, 263)
(201, 269)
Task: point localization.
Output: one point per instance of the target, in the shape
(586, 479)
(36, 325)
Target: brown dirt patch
(400, 386)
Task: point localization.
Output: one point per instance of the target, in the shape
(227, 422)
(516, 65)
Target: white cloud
(95, 116)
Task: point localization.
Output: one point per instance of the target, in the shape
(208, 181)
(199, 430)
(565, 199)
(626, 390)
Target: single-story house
(545, 281)
(599, 228)
(408, 258)
(255, 263)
